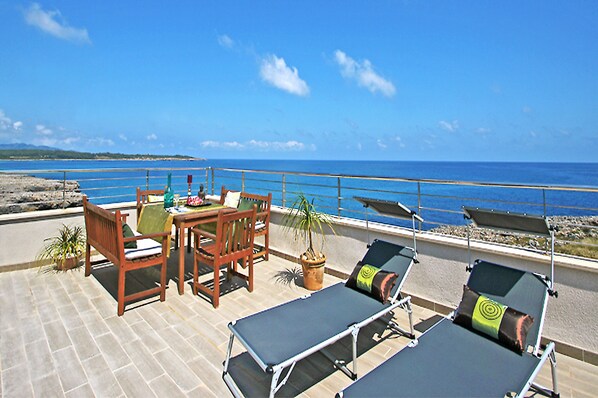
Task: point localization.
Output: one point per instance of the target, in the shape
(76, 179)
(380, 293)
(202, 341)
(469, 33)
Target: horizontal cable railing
(439, 202)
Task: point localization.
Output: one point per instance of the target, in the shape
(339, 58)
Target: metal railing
(439, 202)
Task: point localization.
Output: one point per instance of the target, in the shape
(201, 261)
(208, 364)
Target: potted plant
(305, 221)
(65, 249)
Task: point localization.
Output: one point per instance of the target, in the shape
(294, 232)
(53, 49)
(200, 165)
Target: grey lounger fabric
(451, 360)
(277, 338)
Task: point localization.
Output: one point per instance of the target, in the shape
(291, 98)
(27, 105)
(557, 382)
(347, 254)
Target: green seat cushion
(128, 233)
(503, 323)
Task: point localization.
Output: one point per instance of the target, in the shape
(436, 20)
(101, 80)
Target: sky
(352, 80)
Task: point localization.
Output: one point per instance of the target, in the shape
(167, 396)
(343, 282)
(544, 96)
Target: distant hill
(33, 152)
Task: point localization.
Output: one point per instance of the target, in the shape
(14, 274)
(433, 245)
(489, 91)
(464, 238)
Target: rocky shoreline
(22, 193)
(571, 231)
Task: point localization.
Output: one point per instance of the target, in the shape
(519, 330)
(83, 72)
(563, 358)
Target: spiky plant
(69, 243)
(304, 221)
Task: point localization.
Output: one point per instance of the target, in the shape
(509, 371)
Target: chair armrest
(148, 236)
(201, 232)
(123, 217)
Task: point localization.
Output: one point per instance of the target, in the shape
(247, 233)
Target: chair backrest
(104, 231)
(390, 257)
(143, 197)
(264, 203)
(234, 235)
(521, 290)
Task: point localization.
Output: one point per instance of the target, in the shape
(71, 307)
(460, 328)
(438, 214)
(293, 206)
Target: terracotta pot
(68, 263)
(313, 273)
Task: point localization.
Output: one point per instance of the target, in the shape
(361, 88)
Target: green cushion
(372, 281)
(487, 316)
(247, 204)
(128, 233)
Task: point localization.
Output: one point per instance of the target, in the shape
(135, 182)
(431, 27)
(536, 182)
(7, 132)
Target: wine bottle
(168, 195)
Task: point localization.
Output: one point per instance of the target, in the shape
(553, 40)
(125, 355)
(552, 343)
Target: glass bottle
(168, 194)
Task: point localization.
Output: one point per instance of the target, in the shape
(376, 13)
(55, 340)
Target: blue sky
(388, 80)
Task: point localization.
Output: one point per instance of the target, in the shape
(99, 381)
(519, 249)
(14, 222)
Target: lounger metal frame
(353, 330)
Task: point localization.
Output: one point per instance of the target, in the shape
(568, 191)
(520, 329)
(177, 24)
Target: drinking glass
(176, 200)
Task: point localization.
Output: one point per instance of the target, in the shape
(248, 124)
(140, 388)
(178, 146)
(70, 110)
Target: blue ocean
(423, 185)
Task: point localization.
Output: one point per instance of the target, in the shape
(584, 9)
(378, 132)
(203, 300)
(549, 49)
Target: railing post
(212, 169)
(284, 190)
(242, 181)
(147, 172)
(419, 203)
(544, 200)
(64, 190)
(338, 192)
(207, 179)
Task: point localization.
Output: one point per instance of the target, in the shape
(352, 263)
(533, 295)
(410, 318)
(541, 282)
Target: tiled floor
(60, 336)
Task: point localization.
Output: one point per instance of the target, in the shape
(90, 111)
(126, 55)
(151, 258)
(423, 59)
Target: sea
(106, 181)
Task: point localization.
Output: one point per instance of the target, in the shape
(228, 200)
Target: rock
(20, 193)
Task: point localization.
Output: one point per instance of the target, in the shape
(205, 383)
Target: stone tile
(120, 329)
(178, 344)
(101, 379)
(94, 323)
(84, 344)
(16, 382)
(178, 370)
(48, 386)
(69, 368)
(40, 360)
(202, 391)
(81, 302)
(143, 360)
(132, 382)
(149, 337)
(12, 348)
(105, 307)
(112, 351)
(83, 391)
(210, 376)
(163, 386)
(32, 329)
(70, 316)
(58, 338)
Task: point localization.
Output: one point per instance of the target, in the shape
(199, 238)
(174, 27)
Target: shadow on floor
(253, 382)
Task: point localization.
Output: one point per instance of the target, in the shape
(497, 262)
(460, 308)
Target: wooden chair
(143, 198)
(232, 244)
(262, 222)
(104, 231)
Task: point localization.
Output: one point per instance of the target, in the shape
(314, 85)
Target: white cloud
(483, 130)
(52, 22)
(43, 130)
(449, 126)
(363, 73)
(226, 41)
(71, 140)
(101, 141)
(359, 146)
(123, 137)
(276, 146)
(151, 137)
(533, 134)
(381, 144)
(527, 109)
(275, 71)
(400, 142)
(6, 123)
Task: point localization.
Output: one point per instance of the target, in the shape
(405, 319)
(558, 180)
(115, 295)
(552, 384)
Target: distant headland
(32, 152)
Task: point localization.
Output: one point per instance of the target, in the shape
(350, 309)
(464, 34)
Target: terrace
(60, 334)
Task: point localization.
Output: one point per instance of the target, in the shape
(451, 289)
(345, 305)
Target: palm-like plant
(70, 243)
(305, 220)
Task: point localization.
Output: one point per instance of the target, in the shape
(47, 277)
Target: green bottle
(168, 195)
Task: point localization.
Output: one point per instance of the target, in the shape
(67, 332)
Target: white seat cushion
(260, 225)
(145, 248)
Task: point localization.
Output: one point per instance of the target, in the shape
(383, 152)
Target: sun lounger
(276, 338)
(452, 360)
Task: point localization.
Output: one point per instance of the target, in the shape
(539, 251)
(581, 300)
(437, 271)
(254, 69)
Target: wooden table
(190, 219)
